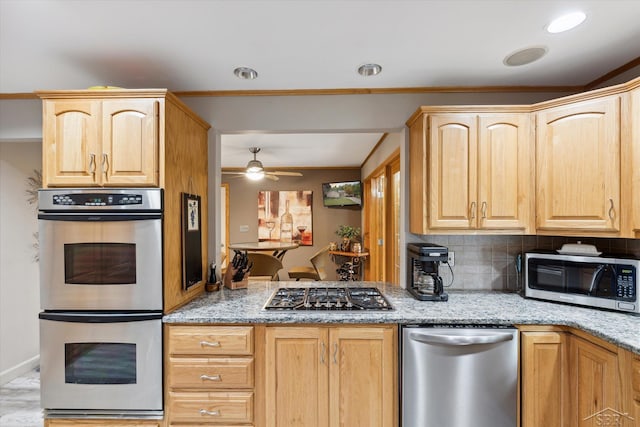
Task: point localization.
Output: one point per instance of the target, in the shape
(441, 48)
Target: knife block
(230, 284)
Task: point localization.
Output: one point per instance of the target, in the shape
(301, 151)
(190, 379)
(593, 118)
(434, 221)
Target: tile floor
(20, 402)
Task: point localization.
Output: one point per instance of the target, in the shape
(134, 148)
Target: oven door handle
(98, 217)
(102, 317)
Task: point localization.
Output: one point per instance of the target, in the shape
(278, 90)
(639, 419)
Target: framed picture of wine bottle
(286, 216)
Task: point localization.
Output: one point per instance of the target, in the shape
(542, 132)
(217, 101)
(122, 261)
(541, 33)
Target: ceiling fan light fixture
(367, 70)
(566, 22)
(245, 73)
(255, 166)
(255, 175)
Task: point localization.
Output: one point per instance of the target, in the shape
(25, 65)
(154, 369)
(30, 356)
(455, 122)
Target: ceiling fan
(255, 171)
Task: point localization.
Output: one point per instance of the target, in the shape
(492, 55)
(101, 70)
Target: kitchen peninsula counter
(464, 307)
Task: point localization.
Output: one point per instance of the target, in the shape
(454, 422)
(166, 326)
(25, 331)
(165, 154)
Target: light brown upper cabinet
(96, 142)
(578, 167)
(471, 170)
(631, 167)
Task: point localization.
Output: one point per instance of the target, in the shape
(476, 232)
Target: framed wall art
(191, 241)
(274, 205)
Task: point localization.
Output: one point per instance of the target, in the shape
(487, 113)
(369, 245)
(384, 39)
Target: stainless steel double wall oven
(101, 292)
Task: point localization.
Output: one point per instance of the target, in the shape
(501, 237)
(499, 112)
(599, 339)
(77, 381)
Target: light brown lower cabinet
(575, 380)
(102, 423)
(595, 384)
(210, 376)
(331, 376)
(545, 379)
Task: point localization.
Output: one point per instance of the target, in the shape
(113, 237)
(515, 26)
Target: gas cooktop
(320, 298)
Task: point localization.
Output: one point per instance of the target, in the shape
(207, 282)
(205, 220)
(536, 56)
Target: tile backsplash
(489, 262)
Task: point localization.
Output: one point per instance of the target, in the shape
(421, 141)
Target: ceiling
(194, 45)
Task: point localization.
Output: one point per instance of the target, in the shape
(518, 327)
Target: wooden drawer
(211, 340)
(211, 407)
(211, 373)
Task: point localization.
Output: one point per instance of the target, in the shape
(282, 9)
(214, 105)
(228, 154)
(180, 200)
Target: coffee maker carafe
(424, 281)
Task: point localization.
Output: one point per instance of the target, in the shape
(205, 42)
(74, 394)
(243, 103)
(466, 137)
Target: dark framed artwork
(272, 205)
(191, 240)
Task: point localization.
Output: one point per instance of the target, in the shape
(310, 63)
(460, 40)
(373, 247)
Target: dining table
(277, 248)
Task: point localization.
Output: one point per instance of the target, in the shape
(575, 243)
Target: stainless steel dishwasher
(459, 376)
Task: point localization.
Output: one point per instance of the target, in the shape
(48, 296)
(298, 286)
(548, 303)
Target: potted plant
(347, 233)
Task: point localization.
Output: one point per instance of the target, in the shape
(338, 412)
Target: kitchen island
(245, 306)
(231, 361)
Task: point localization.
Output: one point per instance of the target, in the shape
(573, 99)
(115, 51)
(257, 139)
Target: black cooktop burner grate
(328, 299)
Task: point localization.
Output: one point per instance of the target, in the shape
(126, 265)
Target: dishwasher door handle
(455, 340)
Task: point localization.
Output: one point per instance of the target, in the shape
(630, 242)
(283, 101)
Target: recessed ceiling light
(369, 69)
(245, 73)
(525, 56)
(566, 22)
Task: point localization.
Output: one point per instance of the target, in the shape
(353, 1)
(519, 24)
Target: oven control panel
(92, 199)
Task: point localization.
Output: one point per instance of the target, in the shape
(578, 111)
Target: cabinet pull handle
(210, 344)
(473, 210)
(214, 413)
(483, 210)
(335, 353)
(105, 163)
(92, 164)
(210, 377)
(322, 352)
(611, 211)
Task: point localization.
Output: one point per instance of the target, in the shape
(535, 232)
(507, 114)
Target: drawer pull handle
(472, 209)
(210, 344)
(484, 210)
(322, 353)
(335, 353)
(214, 413)
(210, 377)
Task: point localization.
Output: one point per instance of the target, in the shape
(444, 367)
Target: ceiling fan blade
(233, 173)
(271, 177)
(284, 173)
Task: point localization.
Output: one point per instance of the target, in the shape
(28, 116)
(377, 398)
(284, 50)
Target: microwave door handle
(595, 279)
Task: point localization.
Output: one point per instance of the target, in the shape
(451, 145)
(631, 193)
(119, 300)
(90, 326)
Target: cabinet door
(634, 179)
(361, 378)
(505, 165)
(452, 171)
(71, 143)
(578, 166)
(594, 383)
(545, 391)
(296, 378)
(129, 142)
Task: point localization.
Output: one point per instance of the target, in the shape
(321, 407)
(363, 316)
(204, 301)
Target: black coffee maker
(423, 280)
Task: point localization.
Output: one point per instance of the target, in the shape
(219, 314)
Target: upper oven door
(101, 261)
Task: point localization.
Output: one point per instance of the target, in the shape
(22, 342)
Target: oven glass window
(100, 363)
(100, 263)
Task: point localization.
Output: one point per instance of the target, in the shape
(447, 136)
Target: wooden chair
(317, 269)
(265, 266)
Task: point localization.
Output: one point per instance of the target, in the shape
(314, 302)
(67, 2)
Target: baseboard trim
(21, 368)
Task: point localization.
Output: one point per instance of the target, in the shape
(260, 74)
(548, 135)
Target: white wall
(19, 276)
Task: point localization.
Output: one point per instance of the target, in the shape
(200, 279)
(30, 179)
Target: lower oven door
(101, 363)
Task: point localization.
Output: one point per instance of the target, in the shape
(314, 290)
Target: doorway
(382, 221)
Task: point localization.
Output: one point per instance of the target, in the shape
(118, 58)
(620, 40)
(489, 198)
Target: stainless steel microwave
(595, 281)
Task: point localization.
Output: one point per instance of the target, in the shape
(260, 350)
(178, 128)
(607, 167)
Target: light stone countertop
(464, 307)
